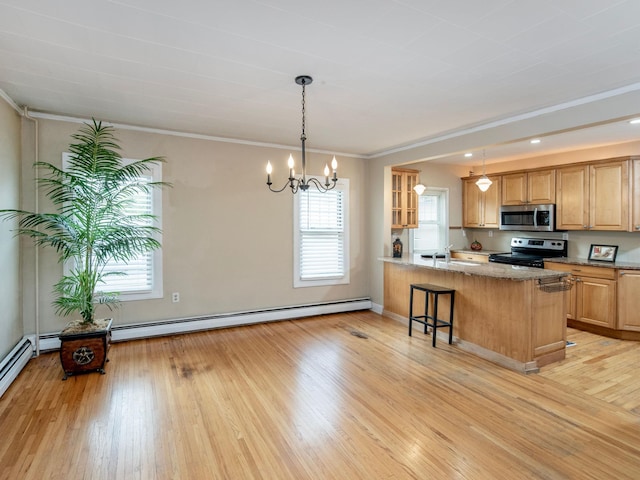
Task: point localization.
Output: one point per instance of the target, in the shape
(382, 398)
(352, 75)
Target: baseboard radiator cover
(210, 322)
(14, 362)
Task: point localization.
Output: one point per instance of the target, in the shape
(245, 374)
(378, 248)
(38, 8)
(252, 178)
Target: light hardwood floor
(312, 399)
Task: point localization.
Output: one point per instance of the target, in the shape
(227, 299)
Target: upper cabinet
(635, 195)
(593, 196)
(481, 209)
(572, 193)
(535, 187)
(404, 200)
(596, 195)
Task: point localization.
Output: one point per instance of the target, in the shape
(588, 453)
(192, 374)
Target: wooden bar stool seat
(432, 320)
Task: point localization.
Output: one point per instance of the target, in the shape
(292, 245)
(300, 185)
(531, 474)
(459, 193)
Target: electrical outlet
(491, 233)
(565, 236)
(175, 297)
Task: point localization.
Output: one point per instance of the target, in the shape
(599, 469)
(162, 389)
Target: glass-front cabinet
(404, 200)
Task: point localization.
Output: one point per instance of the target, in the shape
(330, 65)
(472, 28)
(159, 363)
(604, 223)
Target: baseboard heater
(14, 362)
(210, 322)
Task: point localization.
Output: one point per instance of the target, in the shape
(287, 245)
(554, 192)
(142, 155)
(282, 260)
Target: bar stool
(432, 320)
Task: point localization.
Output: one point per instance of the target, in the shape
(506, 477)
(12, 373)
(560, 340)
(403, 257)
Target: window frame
(156, 290)
(444, 214)
(298, 282)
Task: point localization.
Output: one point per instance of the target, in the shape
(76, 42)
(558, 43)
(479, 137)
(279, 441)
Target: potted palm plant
(92, 225)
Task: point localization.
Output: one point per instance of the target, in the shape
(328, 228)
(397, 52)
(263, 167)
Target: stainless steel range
(531, 252)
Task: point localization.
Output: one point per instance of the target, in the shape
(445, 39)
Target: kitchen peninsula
(514, 316)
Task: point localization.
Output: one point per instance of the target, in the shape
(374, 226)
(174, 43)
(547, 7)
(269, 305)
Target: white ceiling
(387, 73)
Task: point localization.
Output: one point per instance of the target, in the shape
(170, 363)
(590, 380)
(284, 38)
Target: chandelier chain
(303, 110)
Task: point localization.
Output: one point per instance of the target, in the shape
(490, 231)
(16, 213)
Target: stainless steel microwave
(528, 218)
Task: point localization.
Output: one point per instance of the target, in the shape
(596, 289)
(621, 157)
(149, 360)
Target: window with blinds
(433, 222)
(321, 237)
(143, 279)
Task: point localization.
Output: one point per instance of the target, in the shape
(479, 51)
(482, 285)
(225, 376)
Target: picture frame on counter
(603, 253)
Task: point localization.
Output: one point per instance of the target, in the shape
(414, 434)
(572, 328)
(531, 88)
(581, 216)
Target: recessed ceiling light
(468, 154)
(634, 121)
(535, 140)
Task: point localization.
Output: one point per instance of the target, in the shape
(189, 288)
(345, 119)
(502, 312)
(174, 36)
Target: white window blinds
(139, 271)
(321, 237)
(321, 234)
(433, 225)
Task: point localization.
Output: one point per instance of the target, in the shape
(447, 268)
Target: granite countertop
(592, 263)
(493, 270)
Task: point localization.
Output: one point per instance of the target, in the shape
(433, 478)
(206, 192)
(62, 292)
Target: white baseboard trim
(209, 322)
(14, 362)
(377, 308)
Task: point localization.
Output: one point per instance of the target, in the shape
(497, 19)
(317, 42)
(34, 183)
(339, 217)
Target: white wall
(227, 242)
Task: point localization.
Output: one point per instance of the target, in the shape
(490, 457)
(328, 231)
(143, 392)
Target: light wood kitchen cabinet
(629, 300)
(596, 301)
(404, 200)
(572, 193)
(534, 187)
(593, 196)
(635, 195)
(481, 209)
(593, 298)
(609, 196)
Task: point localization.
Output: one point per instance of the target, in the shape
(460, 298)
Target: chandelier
(302, 182)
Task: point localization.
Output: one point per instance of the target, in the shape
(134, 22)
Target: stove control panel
(539, 243)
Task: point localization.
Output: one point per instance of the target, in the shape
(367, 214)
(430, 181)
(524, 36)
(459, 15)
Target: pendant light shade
(419, 189)
(483, 182)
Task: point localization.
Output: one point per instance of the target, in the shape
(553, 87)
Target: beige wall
(10, 320)
(227, 242)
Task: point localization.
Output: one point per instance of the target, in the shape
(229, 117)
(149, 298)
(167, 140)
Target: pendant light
(483, 182)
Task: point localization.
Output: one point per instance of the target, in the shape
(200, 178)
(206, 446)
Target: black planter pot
(84, 348)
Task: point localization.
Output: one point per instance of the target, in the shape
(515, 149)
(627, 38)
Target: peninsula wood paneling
(511, 318)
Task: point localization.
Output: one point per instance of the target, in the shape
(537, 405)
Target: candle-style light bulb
(290, 163)
(334, 163)
(269, 170)
(326, 170)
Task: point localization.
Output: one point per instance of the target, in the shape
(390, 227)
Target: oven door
(529, 218)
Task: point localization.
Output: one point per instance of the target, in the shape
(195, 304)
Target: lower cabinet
(629, 300)
(596, 301)
(593, 298)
